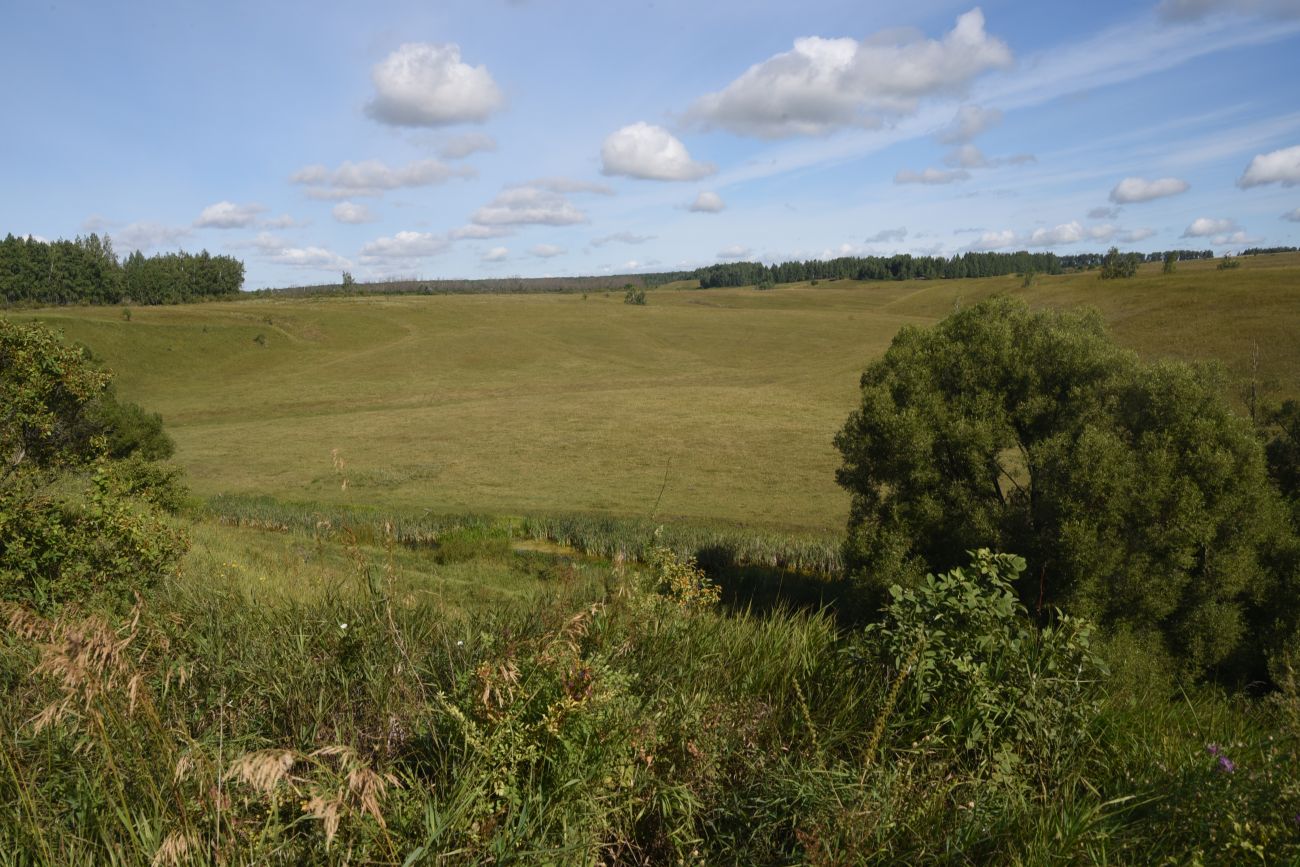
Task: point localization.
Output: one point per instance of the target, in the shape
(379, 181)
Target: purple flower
(1227, 765)
(1213, 749)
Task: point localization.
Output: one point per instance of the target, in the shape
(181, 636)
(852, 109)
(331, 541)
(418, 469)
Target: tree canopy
(1137, 497)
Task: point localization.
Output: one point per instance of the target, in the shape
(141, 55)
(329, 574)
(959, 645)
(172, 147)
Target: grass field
(572, 403)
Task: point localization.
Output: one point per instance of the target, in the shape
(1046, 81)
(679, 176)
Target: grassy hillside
(582, 403)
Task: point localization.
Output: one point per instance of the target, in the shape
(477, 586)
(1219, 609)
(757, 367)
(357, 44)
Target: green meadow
(702, 405)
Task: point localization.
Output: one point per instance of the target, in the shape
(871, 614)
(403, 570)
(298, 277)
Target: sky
(496, 138)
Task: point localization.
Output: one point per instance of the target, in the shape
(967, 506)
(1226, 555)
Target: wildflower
(343, 626)
(1227, 765)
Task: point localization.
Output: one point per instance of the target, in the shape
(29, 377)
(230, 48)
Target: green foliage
(348, 281)
(1117, 265)
(461, 544)
(1228, 263)
(1171, 262)
(977, 673)
(681, 579)
(633, 295)
(1138, 498)
(64, 536)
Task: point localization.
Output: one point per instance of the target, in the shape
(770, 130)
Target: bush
(633, 295)
(963, 652)
(1136, 495)
(75, 522)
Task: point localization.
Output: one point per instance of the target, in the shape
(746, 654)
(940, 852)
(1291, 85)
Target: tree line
(87, 271)
(908, 267)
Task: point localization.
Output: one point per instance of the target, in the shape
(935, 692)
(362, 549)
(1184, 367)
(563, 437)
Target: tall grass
(604, 724)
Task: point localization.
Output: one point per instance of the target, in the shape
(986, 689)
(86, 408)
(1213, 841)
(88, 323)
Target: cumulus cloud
(1293, 216)
(146, 235)
(1061, 235)
(1108, 232)
(707, 203)
(888, 236)
(569, 185)
(475, 232)
(735, 251)
(461, 146)
(1066, 233)
(373, 178)
(995, 240)
(314, 258)
(422, 84)
(523, 205)
(1131, 190)
(931, 176)
(621, 238)
(348, 212)
(545, 251)
(642, 150)
(404, 245)
(971, 120)
(827, 84)
(1278, 167)
(1204, 227)
(967, 157)
(284, 221)
(1193, 10)
(497, 254)
(228, 215)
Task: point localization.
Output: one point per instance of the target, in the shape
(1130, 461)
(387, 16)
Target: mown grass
(726, 400)
(589, 721)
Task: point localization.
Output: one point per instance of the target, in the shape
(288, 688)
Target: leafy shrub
(1117, 265)
(633, 295)
(977, 675)
(74, 523)
(1228, 263)
(1139, 499)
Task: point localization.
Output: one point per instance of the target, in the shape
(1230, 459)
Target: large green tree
(1138, 498)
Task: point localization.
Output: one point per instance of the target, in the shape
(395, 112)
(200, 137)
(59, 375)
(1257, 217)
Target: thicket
(1138, 497)
(81, 497)
(87, 271)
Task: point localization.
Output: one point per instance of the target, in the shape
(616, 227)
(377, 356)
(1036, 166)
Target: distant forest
(907, 267)
(87, 271)
(493, 285)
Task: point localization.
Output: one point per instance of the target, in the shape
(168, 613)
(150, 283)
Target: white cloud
(422, 84)
(228, 215)
(967, 157)
(348, 212)
(497, 254)
(521, 205)
(284, 221)
(476, 233)
(622, 238)
(147, 235)
(1066, 233)
(568, 185)
(315, 258)
(1132, 190)
(1293, 216)
(735, 251)
(971, 120)
(1108, 232)
(373, 178)
(888, 236)
(931, 176)
(1203, 227)
(97, 223)
(461, 146)
(828, 84)
(545, 251)
(708, 203)
(1278, 167)
(1232, 239)
(642, 150)
(1103, 213)
(405, 245)
(995, 240)
(1192, 10)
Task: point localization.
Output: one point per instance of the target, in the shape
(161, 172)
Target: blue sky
(536, 137)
